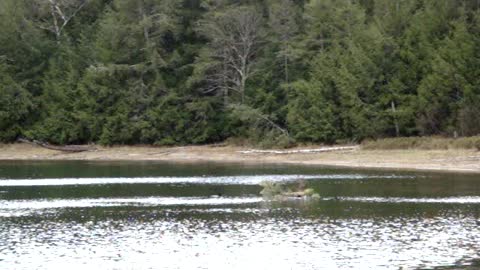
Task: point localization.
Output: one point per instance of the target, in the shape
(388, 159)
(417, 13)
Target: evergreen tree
(201, 71)
(15, 106)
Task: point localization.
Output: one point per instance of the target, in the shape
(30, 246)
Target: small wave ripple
(225, 180)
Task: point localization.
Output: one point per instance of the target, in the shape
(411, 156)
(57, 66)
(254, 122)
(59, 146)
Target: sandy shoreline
(467, 161)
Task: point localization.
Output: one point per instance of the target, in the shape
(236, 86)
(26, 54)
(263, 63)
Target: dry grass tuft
(423, 143)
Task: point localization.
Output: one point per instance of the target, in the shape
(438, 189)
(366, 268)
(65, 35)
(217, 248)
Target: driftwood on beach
(64, 148)
(301, 151)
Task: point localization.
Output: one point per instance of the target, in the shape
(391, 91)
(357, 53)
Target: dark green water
(125, 215)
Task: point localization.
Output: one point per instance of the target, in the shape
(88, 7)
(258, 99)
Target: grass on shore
(423, 143)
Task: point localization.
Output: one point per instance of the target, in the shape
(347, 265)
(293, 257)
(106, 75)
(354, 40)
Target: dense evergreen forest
(272, 71)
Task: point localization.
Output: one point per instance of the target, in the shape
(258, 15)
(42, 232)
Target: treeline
(271, 71)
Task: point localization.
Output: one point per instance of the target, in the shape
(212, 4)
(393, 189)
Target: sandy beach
(431, 160)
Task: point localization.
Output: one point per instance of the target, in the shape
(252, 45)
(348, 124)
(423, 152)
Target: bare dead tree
(61, 12)
(235, 41)
(283, 22)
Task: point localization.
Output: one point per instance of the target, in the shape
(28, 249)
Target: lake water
(83, 215)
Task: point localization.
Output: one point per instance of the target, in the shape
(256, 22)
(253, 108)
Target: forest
(272, 72)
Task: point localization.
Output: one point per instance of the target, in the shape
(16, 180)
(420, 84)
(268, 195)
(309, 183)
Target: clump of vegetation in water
(309, 192)
(277, 191)
(272, 190)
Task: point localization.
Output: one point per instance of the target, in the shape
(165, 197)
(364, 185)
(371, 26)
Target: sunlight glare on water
(362, 221)
(225, 180)
(267, 243)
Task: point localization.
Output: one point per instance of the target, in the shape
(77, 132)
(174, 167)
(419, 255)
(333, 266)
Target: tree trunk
(141, 9)
(242, 89)
(66, 148)
(225, 70)
(286, 68)
(395, 121)
(55, 21)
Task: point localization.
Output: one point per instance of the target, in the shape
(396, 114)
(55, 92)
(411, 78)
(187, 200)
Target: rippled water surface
(80, 215)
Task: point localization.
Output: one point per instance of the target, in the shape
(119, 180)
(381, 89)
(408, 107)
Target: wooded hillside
(272, 71)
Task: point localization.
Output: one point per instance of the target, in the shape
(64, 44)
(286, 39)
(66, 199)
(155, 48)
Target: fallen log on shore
(302, 151)
(65, 148)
